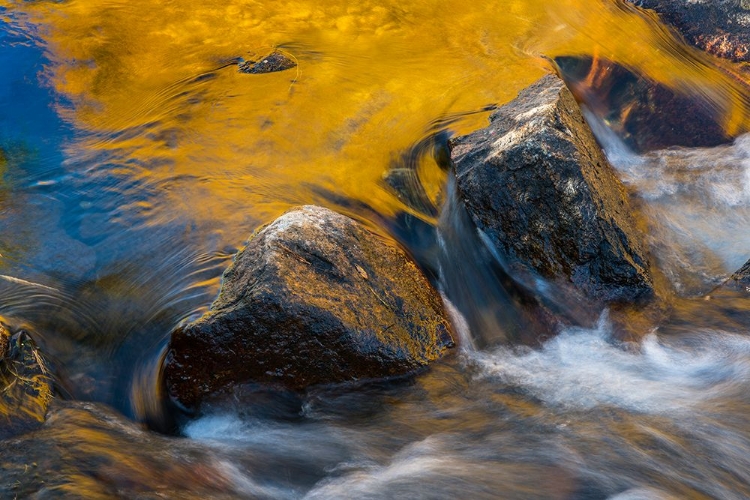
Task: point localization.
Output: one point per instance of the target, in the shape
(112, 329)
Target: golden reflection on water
(148, 85)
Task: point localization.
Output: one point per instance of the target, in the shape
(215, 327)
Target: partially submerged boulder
(25, 384)
(645, 114)
(719, 27)
(536, 183)
(314, 298)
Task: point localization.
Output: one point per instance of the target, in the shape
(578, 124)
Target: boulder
(538, 186)
(719, 27)
(25, 384)
(645, 114)
(314, 298)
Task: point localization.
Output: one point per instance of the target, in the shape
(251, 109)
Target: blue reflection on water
(28, 121)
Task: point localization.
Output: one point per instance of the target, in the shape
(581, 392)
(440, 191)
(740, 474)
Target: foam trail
(585, 368)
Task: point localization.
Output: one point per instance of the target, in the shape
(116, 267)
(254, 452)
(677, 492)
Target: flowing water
(135, 160)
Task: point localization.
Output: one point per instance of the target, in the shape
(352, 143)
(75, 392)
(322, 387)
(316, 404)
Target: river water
(136, 160)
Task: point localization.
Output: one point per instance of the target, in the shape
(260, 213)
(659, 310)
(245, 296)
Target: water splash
(587, 368)
(697, 202)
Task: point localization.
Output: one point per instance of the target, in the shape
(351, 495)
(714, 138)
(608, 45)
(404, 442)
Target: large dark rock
(719, 27)
(645, 114)
(314, 298)
(25, 384)
(537, 184)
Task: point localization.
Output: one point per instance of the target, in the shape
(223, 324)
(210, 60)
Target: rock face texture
(314, 298)
(25, 384)
(719, 27)
(538, 186)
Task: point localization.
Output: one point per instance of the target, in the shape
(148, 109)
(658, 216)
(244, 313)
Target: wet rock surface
(537, 184)
(719, 27)
(25, 384)
(273, 62)
(645, 114)
(739, 281)
(742, 275)
(86, 450)
(314, 298)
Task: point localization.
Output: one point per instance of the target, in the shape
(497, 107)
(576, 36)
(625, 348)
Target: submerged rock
(645, 114)
(25, 384)
(719, 27)
(536, 183)
(314, 298)
(86, 450)
(275, 61)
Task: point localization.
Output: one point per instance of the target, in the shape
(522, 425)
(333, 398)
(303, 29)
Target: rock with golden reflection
(536, 183)
(314, 298)
(26, 384)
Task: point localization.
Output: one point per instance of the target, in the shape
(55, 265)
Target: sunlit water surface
(136, 160)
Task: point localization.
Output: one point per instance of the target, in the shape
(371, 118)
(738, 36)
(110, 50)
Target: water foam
(586, 368)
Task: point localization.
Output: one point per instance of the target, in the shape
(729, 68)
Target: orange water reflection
(148, 84)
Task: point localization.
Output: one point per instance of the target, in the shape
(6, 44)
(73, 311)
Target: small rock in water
(25, 384)
(314, 298)
(275, 61)
(539, 187)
